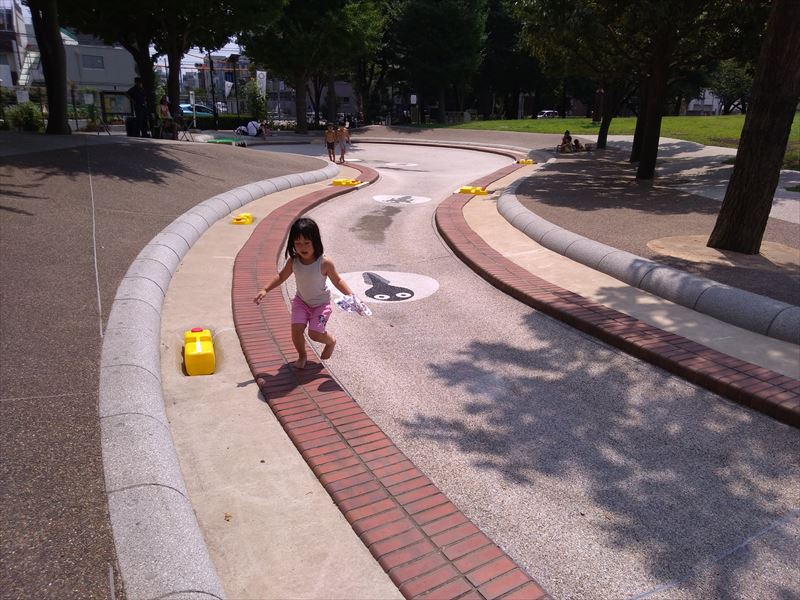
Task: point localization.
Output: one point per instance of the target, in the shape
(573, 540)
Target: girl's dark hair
(308, 229)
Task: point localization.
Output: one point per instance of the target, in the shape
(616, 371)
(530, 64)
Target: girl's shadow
(288, 378)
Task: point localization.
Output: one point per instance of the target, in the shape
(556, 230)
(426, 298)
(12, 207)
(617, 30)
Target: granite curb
(744, 309)
(159, 545)
(759, 388)
(422, 540)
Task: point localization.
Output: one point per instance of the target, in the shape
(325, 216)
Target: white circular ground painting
(390, 286)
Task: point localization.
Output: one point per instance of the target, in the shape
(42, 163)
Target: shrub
(25, 117)
(255, 100)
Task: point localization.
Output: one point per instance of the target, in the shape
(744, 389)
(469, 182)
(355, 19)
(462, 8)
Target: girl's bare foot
(328, 350)
(300, 363)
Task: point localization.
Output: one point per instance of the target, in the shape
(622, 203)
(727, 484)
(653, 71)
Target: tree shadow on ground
(590, 184)
(131, 163)
(681, 473)
(601, 200)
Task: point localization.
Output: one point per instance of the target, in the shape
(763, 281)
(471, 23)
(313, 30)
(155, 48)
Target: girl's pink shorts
(316, 316)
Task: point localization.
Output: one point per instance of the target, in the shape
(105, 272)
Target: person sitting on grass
(566, 143)
(577, 146)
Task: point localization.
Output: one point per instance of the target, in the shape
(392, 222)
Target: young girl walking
(312, 304)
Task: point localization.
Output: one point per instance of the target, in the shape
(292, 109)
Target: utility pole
(213, 95)
(234, 59)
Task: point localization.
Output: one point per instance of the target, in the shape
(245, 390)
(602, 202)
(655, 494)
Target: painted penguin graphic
(382, 290)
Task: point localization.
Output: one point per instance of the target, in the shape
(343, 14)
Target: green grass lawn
(723, 130)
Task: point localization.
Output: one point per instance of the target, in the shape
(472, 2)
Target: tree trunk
(745, 210)
(657, 86)
(608, 109)
(174, 57)
(44, 15)
(315, 93)
(638, 134)
(676, 107)
(442, 97)
(300, 101)
(514, 108)
(144, 65)
(331, 96)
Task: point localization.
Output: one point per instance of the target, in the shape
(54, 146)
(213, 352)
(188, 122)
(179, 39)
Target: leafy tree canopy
(441, 43)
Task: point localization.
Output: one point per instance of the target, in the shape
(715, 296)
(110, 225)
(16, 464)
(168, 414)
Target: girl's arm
(329, 270)
(274, 282)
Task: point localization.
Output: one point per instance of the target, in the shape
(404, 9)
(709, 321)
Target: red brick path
(423, 541)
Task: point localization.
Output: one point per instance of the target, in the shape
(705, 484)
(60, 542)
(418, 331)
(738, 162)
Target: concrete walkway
(231, 475)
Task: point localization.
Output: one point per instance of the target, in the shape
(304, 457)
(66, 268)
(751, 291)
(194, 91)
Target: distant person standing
(330, 141)
(168, 124)
(139, 101)
(342, 139)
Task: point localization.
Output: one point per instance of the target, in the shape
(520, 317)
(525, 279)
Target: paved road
(604, 476)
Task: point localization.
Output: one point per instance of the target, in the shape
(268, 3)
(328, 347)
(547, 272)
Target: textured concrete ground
(608, 205)
(66, 241)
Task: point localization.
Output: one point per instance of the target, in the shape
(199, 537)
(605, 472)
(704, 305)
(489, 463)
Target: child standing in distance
(342, 139)
(330, 141)
(312, 304)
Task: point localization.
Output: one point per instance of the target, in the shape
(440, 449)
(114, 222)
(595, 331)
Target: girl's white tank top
(311, 283)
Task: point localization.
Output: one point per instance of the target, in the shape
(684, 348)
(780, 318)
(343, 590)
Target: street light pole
(234, 59)
(213, 95)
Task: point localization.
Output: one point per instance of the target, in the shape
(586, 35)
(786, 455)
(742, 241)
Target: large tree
(170, 27)
(374, 72)
(589, 38)
(365, 26)
(655, 41)
(748, 200)
(293, 45)
(44, 15)
(676, 36)
(206, 24)
(132, 26)
(507, 70)
(441, 46)
(731, 82)
(358, 26)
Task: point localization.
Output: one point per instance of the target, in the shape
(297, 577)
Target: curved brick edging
(422, 540)
(757, 387)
